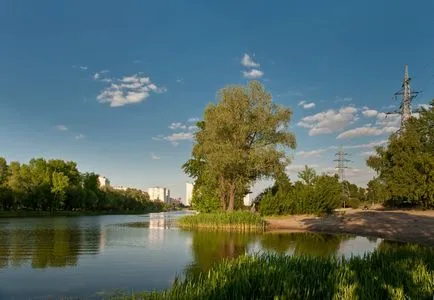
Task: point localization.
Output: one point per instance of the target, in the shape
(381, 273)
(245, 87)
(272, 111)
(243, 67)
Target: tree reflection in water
(211, 247)
(47, 247)
(305, 243)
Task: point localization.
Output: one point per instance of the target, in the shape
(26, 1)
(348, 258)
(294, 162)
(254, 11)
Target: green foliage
(313, 195)
(56, 185)
(377, 191)
(402, 273)
(239, 220)
(405, 167)
(242, 139)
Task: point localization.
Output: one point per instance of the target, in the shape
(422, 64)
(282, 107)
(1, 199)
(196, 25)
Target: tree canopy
(405, 167)
(243, 137)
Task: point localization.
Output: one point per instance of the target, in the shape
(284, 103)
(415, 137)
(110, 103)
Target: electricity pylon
(342, 162)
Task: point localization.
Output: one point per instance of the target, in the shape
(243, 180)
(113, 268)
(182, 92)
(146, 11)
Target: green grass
(406, 272)
(238, 220)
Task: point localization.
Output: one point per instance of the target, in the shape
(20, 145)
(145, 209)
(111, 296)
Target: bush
(321, 196)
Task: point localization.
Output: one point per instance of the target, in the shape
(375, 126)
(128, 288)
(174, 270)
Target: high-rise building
(188, 193)
(103, 181)
(247, 201)
(159, 193)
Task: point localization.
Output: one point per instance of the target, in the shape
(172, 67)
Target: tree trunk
(231, 197)
(222, 193)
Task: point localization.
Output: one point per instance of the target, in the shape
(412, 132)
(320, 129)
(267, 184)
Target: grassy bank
(394, 273)
(27, 213)
(239, 220)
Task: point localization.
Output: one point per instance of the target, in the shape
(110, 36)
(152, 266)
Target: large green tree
(243, 137)
(406, 165)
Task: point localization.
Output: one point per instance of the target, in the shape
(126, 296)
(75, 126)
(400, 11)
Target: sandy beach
(397, 225)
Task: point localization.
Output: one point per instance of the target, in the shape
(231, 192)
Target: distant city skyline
(120, 92)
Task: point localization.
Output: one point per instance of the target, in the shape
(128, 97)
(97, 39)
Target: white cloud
(329, 121)
(367, 153)
(248, 62)
(368, 145)
(385, 124)
(425, 106)
(192, 128)
(97, 75)
(299, 167)
(306, 105)
(128, 90)
(311, 153)
(369, 113)
(155, 157)
(177, 125)
(61, 128)
(84, 68)
(180, 80)
(366, 131)
(79, 136)
(253, 74)
(179, 136)
(159, 137)
(193, 120)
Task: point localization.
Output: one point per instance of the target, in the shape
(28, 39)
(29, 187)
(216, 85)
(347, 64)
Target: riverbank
(37, 214)
(398, 225)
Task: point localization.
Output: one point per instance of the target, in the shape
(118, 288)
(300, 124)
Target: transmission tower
(407, 97)
(342, 164)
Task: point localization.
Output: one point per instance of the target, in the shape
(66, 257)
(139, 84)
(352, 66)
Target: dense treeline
(57, 185)
(311, 194)
(405, 166)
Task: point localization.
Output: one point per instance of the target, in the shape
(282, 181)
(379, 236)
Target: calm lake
(93, 257)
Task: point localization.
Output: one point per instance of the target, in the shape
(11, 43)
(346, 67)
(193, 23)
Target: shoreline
(42, 214)
(396, 225)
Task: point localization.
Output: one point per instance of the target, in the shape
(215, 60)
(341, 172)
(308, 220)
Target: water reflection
(47, 247)
(314, 244)
(211, 247)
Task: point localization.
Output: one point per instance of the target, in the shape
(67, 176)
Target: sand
(398, 225)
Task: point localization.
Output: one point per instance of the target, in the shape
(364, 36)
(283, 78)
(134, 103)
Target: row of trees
(312, 193)
(405, 166)
(242, 138)
(55, 184)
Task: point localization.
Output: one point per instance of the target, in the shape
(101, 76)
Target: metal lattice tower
(407, 97)
(341, 163)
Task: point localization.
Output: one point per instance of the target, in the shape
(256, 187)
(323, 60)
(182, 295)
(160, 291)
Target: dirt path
(399, 225)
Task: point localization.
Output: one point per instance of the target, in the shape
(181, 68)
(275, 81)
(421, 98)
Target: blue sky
(114, 85)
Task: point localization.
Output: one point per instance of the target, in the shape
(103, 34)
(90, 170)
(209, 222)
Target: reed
(403, 273)
(238, 220)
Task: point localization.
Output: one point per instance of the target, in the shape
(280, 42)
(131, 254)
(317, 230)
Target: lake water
(92, 257)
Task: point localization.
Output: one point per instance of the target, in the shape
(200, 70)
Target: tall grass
(239, 220)
(403, 273)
